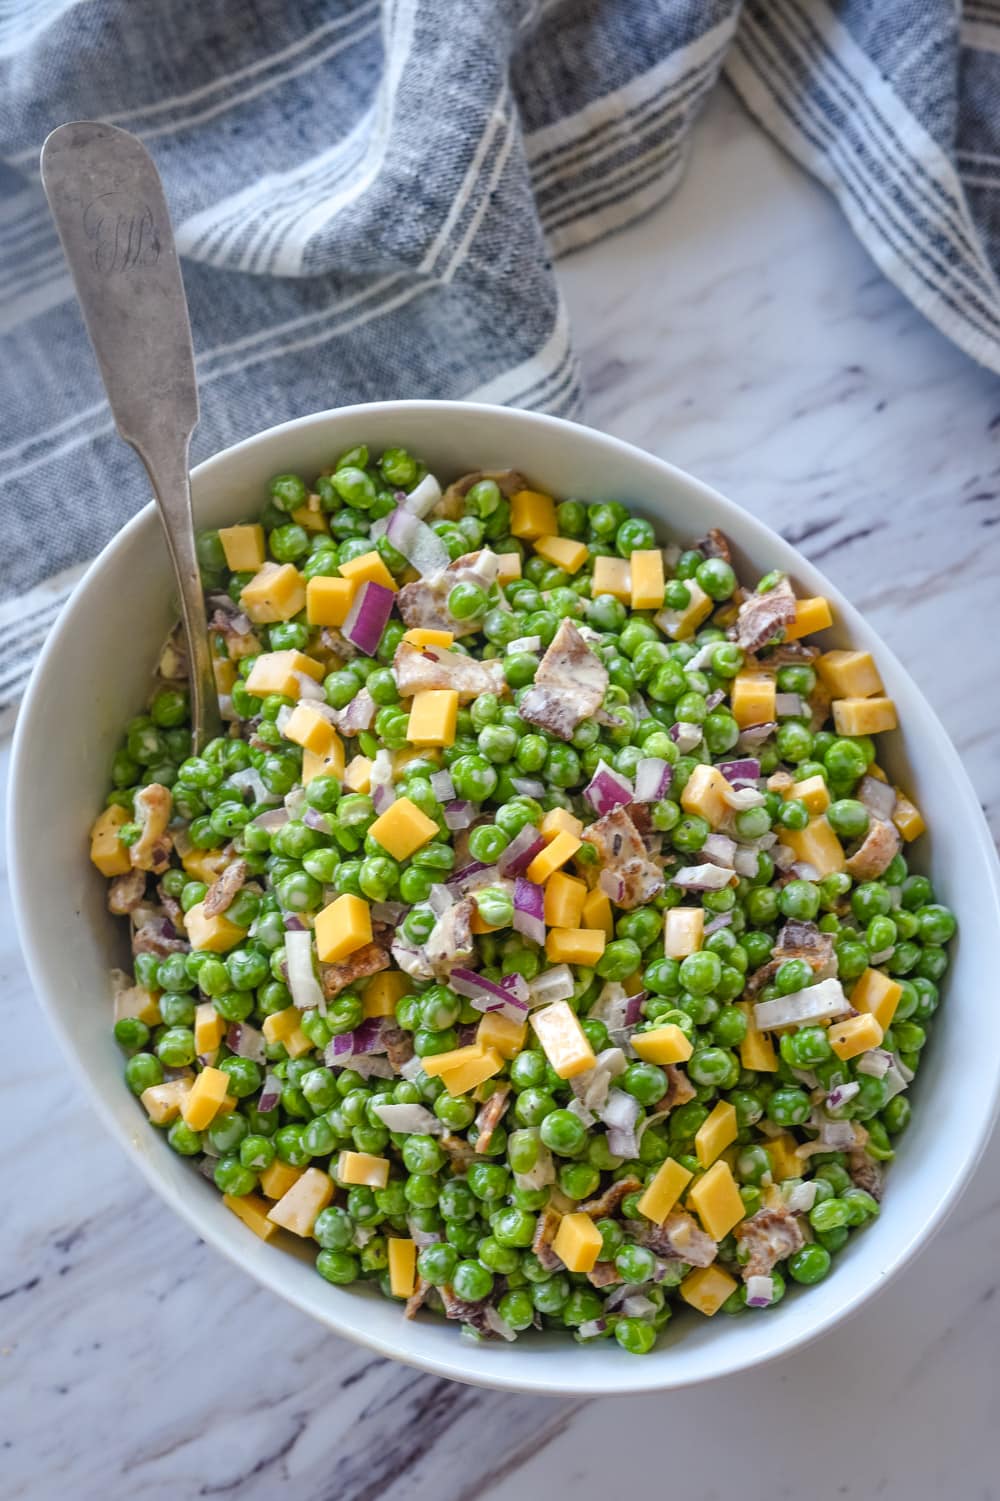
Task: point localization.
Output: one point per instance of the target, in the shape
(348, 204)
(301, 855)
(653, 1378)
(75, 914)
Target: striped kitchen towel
(369, 197)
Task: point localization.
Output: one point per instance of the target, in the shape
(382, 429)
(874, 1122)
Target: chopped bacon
(425, 602)
(126, 892)
(398, 1047)
(569, 685)
(418, 1297)
(151, 851)
(238, 632)
(171, 907)
(770, 1235)
(679, 1238)
(460, 1153)
(791, 654)
(803, 940)
(473, 1314)
(545, 1234)
(419, 668)
(715, 545)
(451, 940)
(679, 1089)
(365, 961)
(157, 935)
(603, 1274)
(761, 616)
(865, 1172)
(490, 1116)
(819, 702)
(173, 663)
(610, 1200)
(224, 889)
(880, 845)
(452, 503)
(627, 867)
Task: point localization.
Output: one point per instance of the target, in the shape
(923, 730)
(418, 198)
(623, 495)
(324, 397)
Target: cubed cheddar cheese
(299, 1206)
(430, 755)
(849, 674)
(680, 625)
(276, 672)
(663, 1044)
(201, 1103)
(307, 727)
(864, 716)
(564, 899)
(784, 1158)
(502, 1033)
(553, 857)
(225, 674)
(276, 592)
(716, 1133)
(106, 849)
(648, 583)
(810, 615)
(162, 1102)
(707, 1288)
(560, 821)
(466, 1067)
(812, 791)
(877, 994)
(310, 516)
(663, 1190)
(704, 794)
(215, 934)
(577, 1242)
(756, 1049)
(563, 1040)
(816, 845)
(854, 1036)
(402, 1265)
(423, 635)
(715, 1199)
(597, 912)
(683, 931)
(403, 829)
(328, 764)
(362, 1170)
(342, 927)
(328, 600)
(478, 923)
(252, 1210)
(276, 1180)
(205, 865)
(612, 576)
(358, 774)
(508, 567)
(574, 945)
(563, 552)
(532, 515)
(283, 1027)
(384, 991)
(140, 1002)
(368, 569)
(906, 816)
(433, 717)
(753, 698)
(243, 547)
(209, 1028)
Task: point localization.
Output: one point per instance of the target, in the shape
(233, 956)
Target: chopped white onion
(554, 984)
(811, 1004)
(415, 1118)
(306, 990)
(760, 1292)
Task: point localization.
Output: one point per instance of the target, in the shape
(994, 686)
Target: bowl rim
(664, 1376)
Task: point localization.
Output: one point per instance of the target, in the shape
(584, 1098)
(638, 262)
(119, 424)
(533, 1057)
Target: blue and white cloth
(369, 197)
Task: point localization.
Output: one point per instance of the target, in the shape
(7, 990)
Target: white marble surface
(741, 333)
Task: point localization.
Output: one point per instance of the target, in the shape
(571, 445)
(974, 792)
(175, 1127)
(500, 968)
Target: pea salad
(539, 942)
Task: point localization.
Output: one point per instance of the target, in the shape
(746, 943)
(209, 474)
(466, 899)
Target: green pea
(848, 818)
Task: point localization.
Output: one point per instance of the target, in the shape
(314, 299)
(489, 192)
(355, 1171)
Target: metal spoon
(108, 203)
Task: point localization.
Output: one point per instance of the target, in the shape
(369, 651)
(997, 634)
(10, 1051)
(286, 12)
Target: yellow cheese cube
(574, 945)
(203, 1099)
(663, 1190)
(283, 1027)
(756, 1049)
(509, 567)
(474, 1070)
(403, 829)
(715, 1133)
(597, 912)
(707, 1288)
(682, 624)
(162, 1102)
(810, 615)
(555, 854)
(864, 716)
(876, 771)
(276, 592)
(106, 849)
(433, 717)
(532, 515)
(424, 636)
(564, 899)
(501, 1033)
(612, 576)
(299, 1206)
(753, 698)
(328, 600)
(362, 1169)
(276, 1180)
(329, 764)
(716, 1200)
(215, 934)
(648, 583)
(683, 931)
(209, 1028)
(358, 775)
(563, 552)
(139, 1002)
(252, 1210)
(402, 1265)
(855, 1035)
(384, 991)
(812, 791)
(368, 569)
(310, 516)
(785, 1160)
(877, 994)
(663, 1044)
(577, 1242)
(225, 675)
(307, 727)
(704, 794)
(849, 674)
(275, 672)
(563, 1040)
(560, 821)
(243, 547)
(478, 923)
(439, 1063)
(906, 816)
(817, 845)
(429, 755)
(342, 927)
(205, 865)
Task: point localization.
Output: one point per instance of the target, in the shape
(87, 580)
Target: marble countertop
(741, 333)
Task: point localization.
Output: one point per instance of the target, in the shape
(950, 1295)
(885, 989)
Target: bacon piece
(603, 1274)
(545, 1234)
(865, 1172)
(610, 1200)
(679, 1089)
(365, 961)
(151, 851)
(450, 940)
(398, 1046)
(819, 702)
(452, 503)
(770, 1235)
(761, 616)
(126, 892)
(171, 907)
(425, 602)
(628, 876)
(569, 685)
(157, 935)
(880, 845)
(224, 889)
(803, 940)
(238, 633)
(680, 1238)
(490, 1116)
(418, 1297)
(473, 1314)
(715, 545)
(460, 1153)
(173, 663)
(419, 668)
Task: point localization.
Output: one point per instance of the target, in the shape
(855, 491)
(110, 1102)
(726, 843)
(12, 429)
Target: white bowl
(94, 675)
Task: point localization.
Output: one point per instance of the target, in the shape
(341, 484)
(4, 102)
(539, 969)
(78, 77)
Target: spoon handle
(108, 203)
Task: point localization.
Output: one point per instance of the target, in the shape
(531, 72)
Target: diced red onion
(359, 714)
(274, 818)
(685, 735)
(702, 877)
(652, 779)
(788, 706)
(611, 1006)
(722, 920)
(719, 849)
(895, 1079)
(702, 657)
(907, 1073)
(745, 862)
(591, 1328)
(442, 786)
(804, 871)
(714, 699)
(883, 955)
(525, 643)
(295, 801)
(422, 1238)
(638, 1306)
(467, 1033)
(517, 987)
(633, 1010)
(308, 687)
(420, 546)
(607, 790)
(383, 797)
(245, 1041)
(487, 995)
(743, 772)
(878, 797)
(368, 616)
(270, 1094)
(423, 497)
(314, 819)
(459, 814)
(617, 1296)
(412, 1068)
(523, 848)
(390, 912)
(760, 1292)
(840, 1095)
(837, 1136)
(756, 734)
(472, 877)
(529, 910)
(741, 798)
(440, 898)
(250, 780)
(415, 1118)
(578, 1108)
(554, 984)
(801, 1197)
(497, 1323)
(620, 1113)
(811, 1004)
(784, 856)
(368, 1037)
(876, 1062)
(383, 793)
(528, 786)
(293, 923)
(369, 1066)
